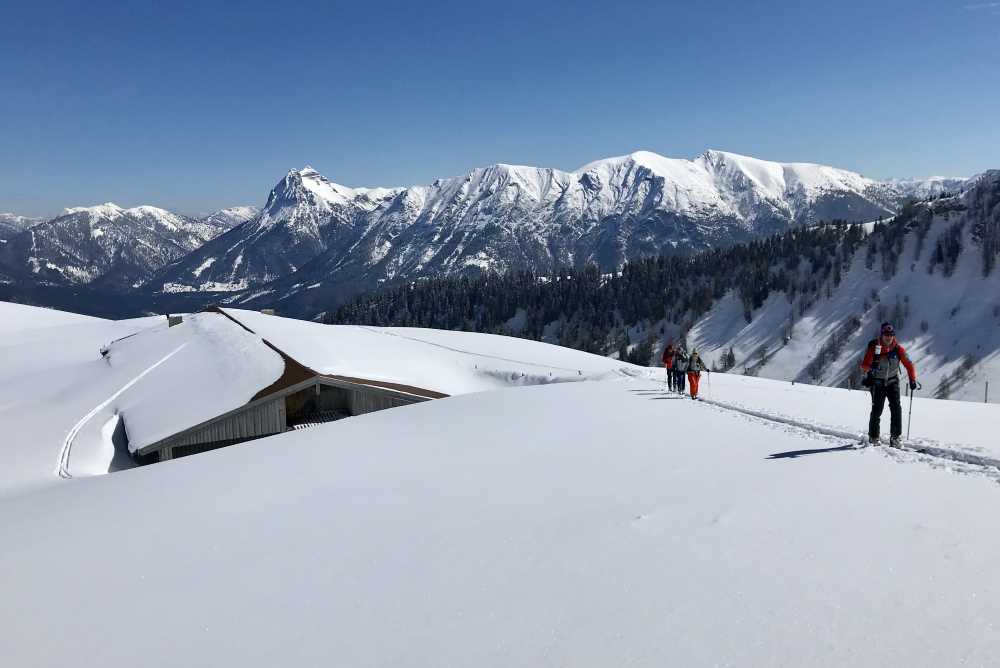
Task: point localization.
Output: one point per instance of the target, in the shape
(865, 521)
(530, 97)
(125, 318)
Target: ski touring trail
(914, 446)
(64, 454)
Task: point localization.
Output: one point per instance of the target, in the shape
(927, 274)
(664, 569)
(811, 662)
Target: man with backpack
(668, 364)
(679, 369)
(880, 365)
(694, 368)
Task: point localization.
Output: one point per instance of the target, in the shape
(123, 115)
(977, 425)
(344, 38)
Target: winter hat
(887, 329)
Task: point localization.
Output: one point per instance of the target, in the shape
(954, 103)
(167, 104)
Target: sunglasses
(888, 332)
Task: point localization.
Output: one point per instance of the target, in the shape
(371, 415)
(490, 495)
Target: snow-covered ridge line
(505, 217)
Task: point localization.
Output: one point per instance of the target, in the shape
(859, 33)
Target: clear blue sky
(195, 106)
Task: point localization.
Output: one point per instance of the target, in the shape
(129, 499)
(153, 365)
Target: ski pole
(910, 415)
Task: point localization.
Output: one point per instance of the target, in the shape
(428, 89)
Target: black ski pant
(678, 380)
(881, 392)
(670, 379)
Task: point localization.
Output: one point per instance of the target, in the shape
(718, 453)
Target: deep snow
(595, 523)
(575, 524)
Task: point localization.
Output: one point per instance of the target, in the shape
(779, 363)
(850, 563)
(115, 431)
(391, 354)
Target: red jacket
(893, 350)
(668, 357)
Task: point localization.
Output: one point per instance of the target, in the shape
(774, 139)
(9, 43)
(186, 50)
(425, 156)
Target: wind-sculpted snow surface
(585, 524)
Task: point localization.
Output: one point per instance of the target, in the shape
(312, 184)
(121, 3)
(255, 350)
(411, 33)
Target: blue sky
(195, 106)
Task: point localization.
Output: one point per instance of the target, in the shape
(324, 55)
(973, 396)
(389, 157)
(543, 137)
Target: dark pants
(881, 392)
(670, 379)
(678, 380)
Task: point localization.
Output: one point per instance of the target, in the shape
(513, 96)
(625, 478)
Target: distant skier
(694, 368)
(881, 368)
(679, 368)
(668, 364)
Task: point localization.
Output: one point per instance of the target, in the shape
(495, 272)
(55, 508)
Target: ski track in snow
(63, 469)
(931, 453)
(463, 352)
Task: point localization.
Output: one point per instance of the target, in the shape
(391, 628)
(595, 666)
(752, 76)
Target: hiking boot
(894, 441)
(873, 440)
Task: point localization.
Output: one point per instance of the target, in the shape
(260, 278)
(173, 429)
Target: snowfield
(594, 523)
(574, 524)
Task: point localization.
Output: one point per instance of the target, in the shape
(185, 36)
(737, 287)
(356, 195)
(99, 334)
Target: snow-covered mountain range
(226, 219)
(334, 241)
(11, 224)
(109, 245)
(318, 242)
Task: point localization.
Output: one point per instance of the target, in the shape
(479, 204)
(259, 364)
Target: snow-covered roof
(17, 318)
(442, 361)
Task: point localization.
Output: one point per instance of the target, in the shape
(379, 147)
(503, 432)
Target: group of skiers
(679, 364)
(880, 365)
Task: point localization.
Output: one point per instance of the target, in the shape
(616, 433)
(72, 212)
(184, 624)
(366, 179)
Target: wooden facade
(276, 413)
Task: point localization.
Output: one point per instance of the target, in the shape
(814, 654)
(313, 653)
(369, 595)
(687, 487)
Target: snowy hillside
(931, 274)
(326, 242)
(102, 245)
(11, 224)
(593, 524)
(798, 306)
(226, 219)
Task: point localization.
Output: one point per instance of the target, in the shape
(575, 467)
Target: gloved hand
(867, 380)
(913, 384)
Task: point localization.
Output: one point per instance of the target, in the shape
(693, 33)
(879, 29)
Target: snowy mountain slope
(102, 245)
(226, 219)
(304, 215)
(932, 186)
(576, 524)
(948, 318)
(323, 240)
(11, 224)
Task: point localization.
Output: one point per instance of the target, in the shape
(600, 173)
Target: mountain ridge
(504, 217)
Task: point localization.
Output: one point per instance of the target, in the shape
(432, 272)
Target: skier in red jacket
(668, 364)
(881, 367)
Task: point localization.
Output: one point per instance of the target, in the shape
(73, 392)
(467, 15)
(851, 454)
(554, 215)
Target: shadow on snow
(792, 454)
